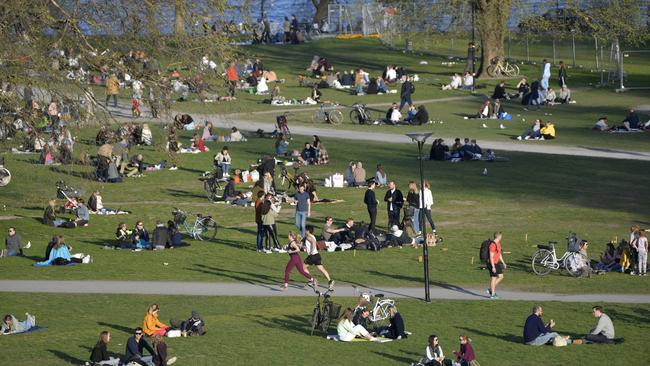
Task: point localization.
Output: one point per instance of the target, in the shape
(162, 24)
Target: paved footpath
(447, 292)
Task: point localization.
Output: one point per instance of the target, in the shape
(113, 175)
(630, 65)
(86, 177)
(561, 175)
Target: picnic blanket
(32, 329)
(43, 264)
(622, 130)
(336, 338)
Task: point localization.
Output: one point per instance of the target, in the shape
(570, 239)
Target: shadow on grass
(66, 357)
(505, 337)
(241, 276)
(300, 325)
(399, 359)
(640, 316)
(179, 193)
(418, 280)
(118, 327)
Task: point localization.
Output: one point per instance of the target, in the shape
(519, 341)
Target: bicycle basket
(573, 243)
(179, 216)
(335, 311)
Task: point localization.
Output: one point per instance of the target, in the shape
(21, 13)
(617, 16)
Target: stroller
(68, 193)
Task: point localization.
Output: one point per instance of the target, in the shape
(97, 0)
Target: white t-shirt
(396, 115)
(310, 244)
(642, 244)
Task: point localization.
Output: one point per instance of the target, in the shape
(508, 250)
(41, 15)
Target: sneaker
(281, 251)
(519, 138)
(494, 297)
(541, 138)
(267, 251)
(330, 285)
(171, 360)
(527, 138)
(86, 259)
(174, 167)
(29, 245)
(488, 291)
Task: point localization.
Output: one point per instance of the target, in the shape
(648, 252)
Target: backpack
(484, 254)
(412, 88)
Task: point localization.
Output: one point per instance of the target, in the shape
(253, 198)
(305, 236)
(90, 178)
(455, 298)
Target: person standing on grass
(269, 212)
(546, 75)
(394, 202)
(496, 265)
(641, 246)
(428, 202)
(407, 89)
(604, 330)
(258, 221)
(294, 261)
(134, 347)
(314, 258)
(562, 74)
(233, 78)
(371, 203)
(303, 208)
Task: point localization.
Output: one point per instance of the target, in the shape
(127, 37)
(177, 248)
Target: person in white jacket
(347, 331)
(428, 202)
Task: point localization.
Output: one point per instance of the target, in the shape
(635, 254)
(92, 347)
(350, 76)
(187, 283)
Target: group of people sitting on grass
(355, 175)
(164, 236)
(466, 82)
(80, 210)
(631, 123)
(416, 115)
(459, 151)
(630, 256)
(539, 132)
(137, 344)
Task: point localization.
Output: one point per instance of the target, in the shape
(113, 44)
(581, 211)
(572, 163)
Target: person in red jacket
(232, 77)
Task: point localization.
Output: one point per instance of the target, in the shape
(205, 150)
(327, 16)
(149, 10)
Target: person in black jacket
(371, 203)
(99, 354)
(396, 329)
(134, 347)
(407, 90)
(394, 202)
(421, 116)
(500, 91)
(562, 74)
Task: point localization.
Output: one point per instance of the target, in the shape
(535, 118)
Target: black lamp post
(474, 45)
(420, 138)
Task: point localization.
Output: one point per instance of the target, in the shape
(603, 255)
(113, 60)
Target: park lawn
(275, 331)
(532, 199)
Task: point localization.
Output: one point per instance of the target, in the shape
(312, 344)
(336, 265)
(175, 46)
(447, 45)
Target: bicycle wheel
(540, 261)
(314, 319)
(511, 70)
(491, 70)
(575, 263)
(5, 177)
(317, 117)
(335, 117)
(355, 116)
(212, 226)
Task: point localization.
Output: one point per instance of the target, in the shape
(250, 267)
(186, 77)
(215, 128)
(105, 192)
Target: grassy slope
(541, 197)
(274, 331)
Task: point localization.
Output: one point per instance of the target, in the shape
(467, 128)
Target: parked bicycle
(499, 67)
(5, 174)
(545, 258)
(328, 113)
(381, 310)
(282, 125)
(203, 224)
(324, 312)
(360, 114)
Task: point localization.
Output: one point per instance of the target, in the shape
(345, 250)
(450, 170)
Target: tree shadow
(399, 359)
(117, 327)
(643, 317)
(300, 325)
(198, 171)
(240, 276)
(235, 244)
(179, 193)
(505, 337)
(66, 357)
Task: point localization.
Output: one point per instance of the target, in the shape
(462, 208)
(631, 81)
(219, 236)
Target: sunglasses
(138, 333)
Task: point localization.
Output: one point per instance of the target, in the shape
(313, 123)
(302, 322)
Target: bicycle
(212, 183)
(499, 68)
(5, 174)
(282, 126)
(202, 224)
(324, 312)
(328, 114)
(360, 114)
(381, 310)
(545, 259)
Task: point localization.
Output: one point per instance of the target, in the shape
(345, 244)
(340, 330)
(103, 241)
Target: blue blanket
(49, 264)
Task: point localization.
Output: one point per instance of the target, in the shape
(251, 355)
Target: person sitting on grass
(396, 328)
(395, 115)
(199, 144)
(631, 121)
(359, 175)
(456, 82)
(485, 110)
(49, 215)
(161, 238)
(564, 96)
(135, 346)
(124, 237)
(465, 355)
(328, 230)
(523, 88)
(160, 359)
(347, 331)
(99, 354)
(13, 244)
(174, 234)
(82, 216)
(344, 234)
(140, 236)
(57, 253)
(433, 354)
(151, 324)
(11, 325)
(602, 124)
(468, 81)
(536, 333)
(603, 332)
(533, 132)
(609, 259)
(308, 155)
(550, 96)
(500, 91)
(380, 176)
(548, 131)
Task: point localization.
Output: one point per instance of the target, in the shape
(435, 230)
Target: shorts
(498, 267)
(314, 260)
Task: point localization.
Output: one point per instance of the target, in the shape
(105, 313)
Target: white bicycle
(381, 311)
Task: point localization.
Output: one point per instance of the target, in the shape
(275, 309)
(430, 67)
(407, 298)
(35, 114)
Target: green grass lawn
(533, 197)
(275, 331)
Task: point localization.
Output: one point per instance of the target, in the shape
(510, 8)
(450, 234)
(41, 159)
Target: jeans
(108, 97)
(643, 261)
(260, 236)
(598, 338)
(427, 213)
(405, 100)
(58, 222)
(542, 339)
(226, 168)
(416, 220)
(142, 244)
(301, 221)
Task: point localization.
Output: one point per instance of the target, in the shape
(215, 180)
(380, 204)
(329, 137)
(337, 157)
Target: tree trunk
(321, 10)
(179, 17)
(492, 22)
(151, 8)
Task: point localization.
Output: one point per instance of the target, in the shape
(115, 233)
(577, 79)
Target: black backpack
(412, 88)
(484, 254)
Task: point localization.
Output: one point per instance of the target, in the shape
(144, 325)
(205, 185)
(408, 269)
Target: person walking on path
(295, 261)
(303, 208)
(371, 203)
(407, 89)
(314, 258)
(112, 89)
(496, 265)
(394, 200)
(604, 330)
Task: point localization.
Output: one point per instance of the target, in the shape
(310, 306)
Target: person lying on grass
(12, 325)
(347, 331)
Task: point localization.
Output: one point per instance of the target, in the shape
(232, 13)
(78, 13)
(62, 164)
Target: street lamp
(473, 45)
(420, 138)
